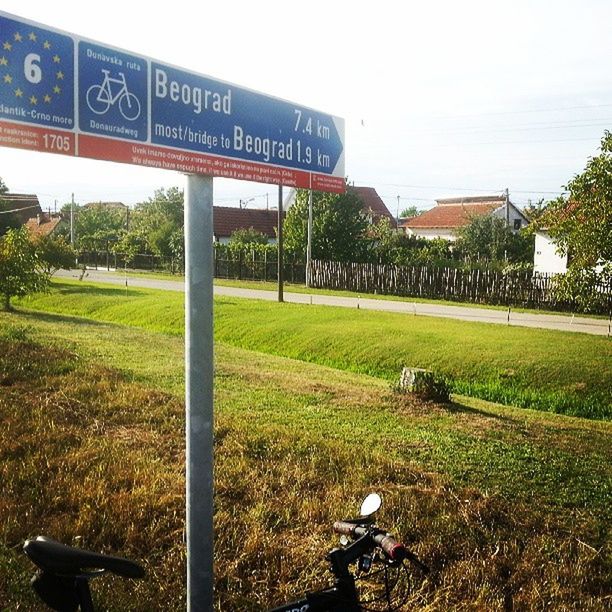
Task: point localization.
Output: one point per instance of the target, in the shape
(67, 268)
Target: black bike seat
(57, 558)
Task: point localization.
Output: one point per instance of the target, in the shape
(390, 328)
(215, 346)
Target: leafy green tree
(96, 227)
(246, 237)
(54, 253)
(338, 226)
(21, 269)
(160, 221)
(410, 211)
(581, 223)
(488, 238)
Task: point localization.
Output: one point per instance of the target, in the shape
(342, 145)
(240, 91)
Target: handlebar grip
(349, 529)
(395, 550)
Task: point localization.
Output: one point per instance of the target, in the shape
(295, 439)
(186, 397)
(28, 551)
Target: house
(43, 224)
(546, 257)
(449, 214)
(373, 205)
(23, 206)
(226, 220)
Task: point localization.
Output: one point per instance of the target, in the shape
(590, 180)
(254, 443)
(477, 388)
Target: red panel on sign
(22, 136)
(98, 147)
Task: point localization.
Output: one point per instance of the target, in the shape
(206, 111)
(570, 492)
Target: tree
(411, 211)
(245, 237)
(581, 223)
(488, 238)
(21, 268)
(54, 253)
(338, 226)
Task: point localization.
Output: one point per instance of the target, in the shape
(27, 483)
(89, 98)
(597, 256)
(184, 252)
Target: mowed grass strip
(562, 372)
(91, 432)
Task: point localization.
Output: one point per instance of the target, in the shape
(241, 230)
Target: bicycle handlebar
(394, 550)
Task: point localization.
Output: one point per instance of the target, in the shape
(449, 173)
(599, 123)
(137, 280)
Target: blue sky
(440, 98)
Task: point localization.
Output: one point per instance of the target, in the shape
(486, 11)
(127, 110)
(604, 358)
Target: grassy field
(568, 373)
(91, 452)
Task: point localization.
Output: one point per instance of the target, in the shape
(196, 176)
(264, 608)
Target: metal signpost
(60, 93)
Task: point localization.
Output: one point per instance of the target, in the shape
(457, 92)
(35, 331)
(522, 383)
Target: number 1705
(57, 143)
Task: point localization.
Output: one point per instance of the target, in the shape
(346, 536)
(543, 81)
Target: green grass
(548, 370)
(301, 288)
(91, 445)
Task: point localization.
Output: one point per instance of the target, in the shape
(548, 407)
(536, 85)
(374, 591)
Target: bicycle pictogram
(101, 97)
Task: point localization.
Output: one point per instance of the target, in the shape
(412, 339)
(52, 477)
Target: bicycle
(101, 97)
(62, 580)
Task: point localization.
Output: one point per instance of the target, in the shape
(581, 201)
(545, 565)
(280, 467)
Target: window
(517, 224)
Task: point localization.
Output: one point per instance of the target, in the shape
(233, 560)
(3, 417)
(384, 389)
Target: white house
(449, 214)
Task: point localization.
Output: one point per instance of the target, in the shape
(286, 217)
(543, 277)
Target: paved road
(571, 323)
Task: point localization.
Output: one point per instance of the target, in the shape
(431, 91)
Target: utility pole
(398, 211)
(507, 194)
(309, 243)
(72, 220)
(279, 258)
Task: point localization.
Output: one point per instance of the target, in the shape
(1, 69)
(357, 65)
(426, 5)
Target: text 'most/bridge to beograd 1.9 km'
(63, 94)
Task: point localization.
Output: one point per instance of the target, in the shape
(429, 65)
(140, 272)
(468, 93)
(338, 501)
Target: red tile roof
(455, 212)
(42, 224)
(373, 204)
(228, 219)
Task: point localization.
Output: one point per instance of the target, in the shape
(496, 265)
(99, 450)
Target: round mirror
(370, 504)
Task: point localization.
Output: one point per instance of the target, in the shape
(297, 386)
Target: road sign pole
(199, 390)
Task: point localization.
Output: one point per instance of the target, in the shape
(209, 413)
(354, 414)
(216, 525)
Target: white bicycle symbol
(101, 97)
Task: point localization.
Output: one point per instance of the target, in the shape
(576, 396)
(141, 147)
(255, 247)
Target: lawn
(547, 370)
(91, 439)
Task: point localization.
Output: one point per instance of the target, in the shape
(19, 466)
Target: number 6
(31, 69)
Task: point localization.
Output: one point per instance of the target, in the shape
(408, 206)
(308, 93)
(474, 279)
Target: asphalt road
(561, 322)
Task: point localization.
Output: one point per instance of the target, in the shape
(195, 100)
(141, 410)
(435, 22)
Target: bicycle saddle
(62, 560)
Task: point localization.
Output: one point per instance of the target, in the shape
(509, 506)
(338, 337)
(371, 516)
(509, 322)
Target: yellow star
(3, 61)
(57, 89)
(47, 98)
(7, 45)
(56, 59)
(18, 37)
(8, 78)
(47, 44)
(32, 36)
(19, 93)
(33, 100)
(59, 75)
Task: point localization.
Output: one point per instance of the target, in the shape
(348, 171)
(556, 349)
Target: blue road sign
(112, 93)
(36, 75)
(136, 110)
(190, 111)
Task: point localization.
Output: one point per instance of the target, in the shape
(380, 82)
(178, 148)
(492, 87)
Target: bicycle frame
(106, 86)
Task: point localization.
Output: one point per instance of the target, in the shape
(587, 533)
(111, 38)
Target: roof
(373, 204)
(227, 220)
(43, 224)
(450, 213)
(449, 216)
(25, 205)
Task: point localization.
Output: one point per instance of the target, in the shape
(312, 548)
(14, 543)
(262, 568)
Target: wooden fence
(476, 286)
(241, 265)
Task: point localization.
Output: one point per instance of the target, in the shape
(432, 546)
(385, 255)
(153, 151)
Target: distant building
(43, 224)
(226, 220)
(546, 258)
(449, 214)
(23, 206)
